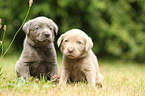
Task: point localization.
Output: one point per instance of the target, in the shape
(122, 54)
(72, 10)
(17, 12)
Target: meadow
(121, 78)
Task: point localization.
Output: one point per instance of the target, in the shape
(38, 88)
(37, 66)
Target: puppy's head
(75, 43)
(40, 30)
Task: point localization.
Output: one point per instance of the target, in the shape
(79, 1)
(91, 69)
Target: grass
(120, 79)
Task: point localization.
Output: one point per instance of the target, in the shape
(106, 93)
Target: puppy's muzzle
(46, 35)
(70, 50)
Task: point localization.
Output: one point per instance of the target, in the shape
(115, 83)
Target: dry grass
(120, 79)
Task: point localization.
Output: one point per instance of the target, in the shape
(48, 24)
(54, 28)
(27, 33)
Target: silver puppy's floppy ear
(59, 40)
(89, 43)
(26, 27)
(54, 25)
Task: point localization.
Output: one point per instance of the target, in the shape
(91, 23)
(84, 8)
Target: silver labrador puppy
(38, 57)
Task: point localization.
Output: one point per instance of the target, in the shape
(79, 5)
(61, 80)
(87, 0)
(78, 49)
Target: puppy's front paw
(100, 85)
(56, 78)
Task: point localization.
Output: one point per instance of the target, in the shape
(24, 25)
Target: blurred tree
(116, 26)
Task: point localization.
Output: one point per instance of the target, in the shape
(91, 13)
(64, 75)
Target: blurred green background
(117, 27)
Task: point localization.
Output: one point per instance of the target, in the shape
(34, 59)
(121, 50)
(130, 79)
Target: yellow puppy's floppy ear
(89, 44)
(26, 27)
(59, 40)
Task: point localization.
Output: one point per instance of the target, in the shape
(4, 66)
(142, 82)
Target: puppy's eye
(79, 42)
(37, 28)
(66, 41)
(50, 28)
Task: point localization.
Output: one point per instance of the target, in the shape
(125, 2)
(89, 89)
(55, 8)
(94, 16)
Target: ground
(121, 78)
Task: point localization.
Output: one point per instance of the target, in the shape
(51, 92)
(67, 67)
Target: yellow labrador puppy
(79, 62)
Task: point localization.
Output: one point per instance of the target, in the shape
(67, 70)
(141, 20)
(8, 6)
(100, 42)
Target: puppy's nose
(47, 34)
(70, 50)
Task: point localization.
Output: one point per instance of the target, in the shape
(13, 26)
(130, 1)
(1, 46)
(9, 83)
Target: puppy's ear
(26, 27)
(59, 40)
(54, 25)
(56, 28)
(89, 44)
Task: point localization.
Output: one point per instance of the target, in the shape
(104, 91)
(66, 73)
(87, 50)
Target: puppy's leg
(53, 68)
(64, 76)
(99, 80)
(22, 70)
(53, 72)
(91, 77)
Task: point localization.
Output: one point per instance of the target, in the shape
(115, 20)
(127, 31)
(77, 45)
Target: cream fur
(79, 62)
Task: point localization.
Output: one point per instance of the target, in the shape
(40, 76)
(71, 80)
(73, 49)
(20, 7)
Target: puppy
(79, 62)
(38, 57)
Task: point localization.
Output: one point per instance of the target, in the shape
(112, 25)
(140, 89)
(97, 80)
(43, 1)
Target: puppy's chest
(42, 61)
(42, 56)
(77, 73)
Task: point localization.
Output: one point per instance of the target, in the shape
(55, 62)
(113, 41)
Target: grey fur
(38, 56)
